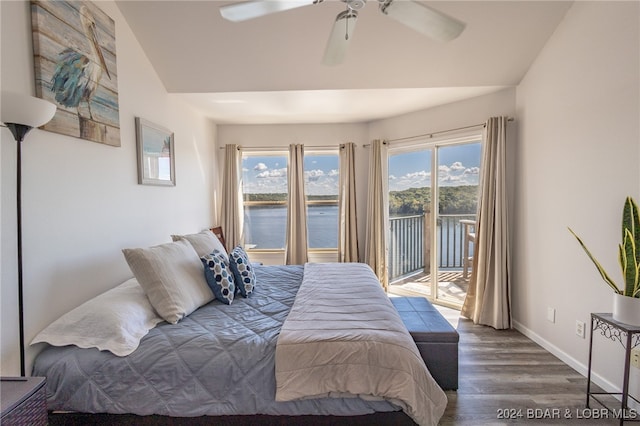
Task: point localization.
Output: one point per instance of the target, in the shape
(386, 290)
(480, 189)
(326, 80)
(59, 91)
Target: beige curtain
(232, 217)
(296, 248)
(488, 299)
(348, 225)
(376, 236)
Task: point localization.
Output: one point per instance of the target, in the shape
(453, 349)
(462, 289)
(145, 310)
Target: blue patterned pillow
(219, 276)
(242, 271)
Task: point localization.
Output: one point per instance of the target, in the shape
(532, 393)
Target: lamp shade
(26, 110)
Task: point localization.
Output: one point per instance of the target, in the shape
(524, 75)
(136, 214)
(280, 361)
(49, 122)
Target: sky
(457, 165)
(268, 174)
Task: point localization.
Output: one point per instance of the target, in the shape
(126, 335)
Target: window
(264, 189)
(321, 176)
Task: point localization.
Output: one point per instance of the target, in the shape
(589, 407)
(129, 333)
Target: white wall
(81, 200)
(579, 144)
(450, 116)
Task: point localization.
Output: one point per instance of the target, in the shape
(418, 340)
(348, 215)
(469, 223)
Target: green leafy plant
(628, 252)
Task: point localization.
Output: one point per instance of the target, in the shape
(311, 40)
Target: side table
(23, 401)
(629, 337)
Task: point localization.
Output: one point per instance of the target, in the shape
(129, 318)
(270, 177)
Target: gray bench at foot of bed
(435, 338)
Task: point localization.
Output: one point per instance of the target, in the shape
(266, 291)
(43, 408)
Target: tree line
(415, 201)
(282, 197)
(412, 201)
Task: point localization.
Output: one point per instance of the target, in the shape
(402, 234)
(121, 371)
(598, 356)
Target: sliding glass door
(433, 191)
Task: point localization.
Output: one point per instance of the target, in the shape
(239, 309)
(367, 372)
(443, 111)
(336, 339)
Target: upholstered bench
(435, 338)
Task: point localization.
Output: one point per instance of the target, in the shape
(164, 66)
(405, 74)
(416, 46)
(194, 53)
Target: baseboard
(581, 368)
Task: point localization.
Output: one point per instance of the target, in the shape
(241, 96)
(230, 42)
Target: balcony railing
(410, 243)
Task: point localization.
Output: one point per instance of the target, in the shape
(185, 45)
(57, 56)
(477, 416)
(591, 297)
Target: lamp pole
(19, 131)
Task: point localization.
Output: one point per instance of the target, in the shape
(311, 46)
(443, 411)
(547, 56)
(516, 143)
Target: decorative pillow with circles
(242, 271)
(219, 276)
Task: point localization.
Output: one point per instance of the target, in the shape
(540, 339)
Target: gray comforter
(220, 360)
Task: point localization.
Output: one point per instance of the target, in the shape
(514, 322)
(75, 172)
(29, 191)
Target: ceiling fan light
(355, 4)
(239, 12)
(340, 37)
(422, 18)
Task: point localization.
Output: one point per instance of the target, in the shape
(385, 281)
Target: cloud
(448, 175)
(275, 173)
(321, 182)
(266, 186)
(417, 179)
(266, 175)
(260, 167)
(322, 187)
(422, 174)
(314, 174)
(457, 166)
(451, 179)
(458, 174)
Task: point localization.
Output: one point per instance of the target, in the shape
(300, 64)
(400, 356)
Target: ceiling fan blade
(256, 8)
(422, 18)
(340, 37)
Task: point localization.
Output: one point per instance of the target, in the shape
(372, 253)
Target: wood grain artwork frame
(156, 154)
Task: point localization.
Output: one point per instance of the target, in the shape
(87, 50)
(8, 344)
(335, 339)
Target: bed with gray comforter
(220, 360)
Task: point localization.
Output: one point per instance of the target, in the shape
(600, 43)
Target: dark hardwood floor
(505, 378)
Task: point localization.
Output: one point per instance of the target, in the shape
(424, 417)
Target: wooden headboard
(217, 231)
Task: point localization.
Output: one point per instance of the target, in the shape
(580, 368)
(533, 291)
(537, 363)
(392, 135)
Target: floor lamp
(21, 113)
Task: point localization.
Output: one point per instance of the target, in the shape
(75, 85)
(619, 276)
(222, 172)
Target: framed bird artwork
(74, 46)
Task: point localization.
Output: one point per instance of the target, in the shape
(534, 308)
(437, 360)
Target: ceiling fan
(428, 21)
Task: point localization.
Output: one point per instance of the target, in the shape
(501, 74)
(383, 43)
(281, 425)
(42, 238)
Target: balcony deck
(452, 286)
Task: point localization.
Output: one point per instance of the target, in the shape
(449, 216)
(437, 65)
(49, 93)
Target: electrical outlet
(635, 358)
(551, 314)
(580, 328)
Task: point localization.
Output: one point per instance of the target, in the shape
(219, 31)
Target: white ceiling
(269, 70)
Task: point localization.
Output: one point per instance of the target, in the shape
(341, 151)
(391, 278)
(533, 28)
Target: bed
(247, 359)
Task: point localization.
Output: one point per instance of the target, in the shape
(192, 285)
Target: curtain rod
(430, 135)
(286, 148)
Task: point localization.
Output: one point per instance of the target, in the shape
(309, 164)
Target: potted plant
(626, 301)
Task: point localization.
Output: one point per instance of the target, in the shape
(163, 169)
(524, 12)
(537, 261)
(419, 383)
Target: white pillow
(172, 276)
(115, 321)
(204, 243)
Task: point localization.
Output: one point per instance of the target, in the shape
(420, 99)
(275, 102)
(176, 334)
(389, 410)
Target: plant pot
(626, 309)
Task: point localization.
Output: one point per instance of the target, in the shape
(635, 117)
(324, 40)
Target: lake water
(267, 230)
(265, 226)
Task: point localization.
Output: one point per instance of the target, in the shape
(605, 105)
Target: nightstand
(629, 337)
(23, 401)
